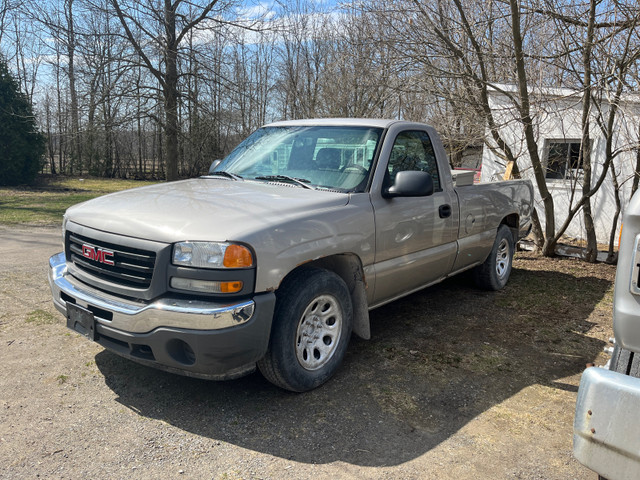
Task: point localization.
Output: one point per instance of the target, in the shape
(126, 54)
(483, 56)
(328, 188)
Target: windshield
(329, 157)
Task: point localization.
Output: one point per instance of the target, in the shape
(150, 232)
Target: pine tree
(22, 146)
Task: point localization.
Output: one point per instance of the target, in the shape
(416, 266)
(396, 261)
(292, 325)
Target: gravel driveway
(455, 383)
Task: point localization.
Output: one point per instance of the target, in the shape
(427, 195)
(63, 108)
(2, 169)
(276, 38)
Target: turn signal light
(237, 256)
(230, 287)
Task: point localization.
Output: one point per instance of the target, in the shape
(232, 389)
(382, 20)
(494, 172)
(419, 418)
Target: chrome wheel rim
(503, 258)
(318, 333)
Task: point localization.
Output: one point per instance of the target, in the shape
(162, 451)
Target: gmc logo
(97, 254)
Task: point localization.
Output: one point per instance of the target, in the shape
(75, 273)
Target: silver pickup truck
(606, 431)
(278, 255)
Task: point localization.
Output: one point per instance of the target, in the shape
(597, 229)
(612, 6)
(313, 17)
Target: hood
(214, 209)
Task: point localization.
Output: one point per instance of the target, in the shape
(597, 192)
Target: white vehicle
(606, 432)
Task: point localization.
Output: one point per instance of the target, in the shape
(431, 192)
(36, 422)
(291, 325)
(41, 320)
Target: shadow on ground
(436, 360)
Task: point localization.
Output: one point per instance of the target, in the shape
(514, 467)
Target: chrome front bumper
(142, 317)
(606, 427)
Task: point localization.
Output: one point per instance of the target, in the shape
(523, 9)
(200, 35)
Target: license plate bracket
(81, 320)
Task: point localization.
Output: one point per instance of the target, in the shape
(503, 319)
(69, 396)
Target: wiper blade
(222, 173)
(301, 182)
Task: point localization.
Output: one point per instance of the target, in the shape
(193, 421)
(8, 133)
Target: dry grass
(46, 202)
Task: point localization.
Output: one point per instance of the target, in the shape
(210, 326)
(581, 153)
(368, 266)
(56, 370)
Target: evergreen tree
(22, 146)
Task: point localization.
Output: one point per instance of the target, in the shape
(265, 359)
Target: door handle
(444, 211)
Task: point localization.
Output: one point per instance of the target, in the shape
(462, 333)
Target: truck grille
(122, 265)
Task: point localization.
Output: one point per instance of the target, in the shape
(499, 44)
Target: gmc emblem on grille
(97, 254)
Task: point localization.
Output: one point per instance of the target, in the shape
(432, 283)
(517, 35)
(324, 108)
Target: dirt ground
(455, 384)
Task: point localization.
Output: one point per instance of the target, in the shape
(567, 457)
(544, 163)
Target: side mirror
(214, 165)
(410, 183)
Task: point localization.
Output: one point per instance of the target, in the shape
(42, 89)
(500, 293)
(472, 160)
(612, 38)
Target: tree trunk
(171, 92)
(612, 257)
(76, 143)
(636, 172)
(549, 246)
(591, 252)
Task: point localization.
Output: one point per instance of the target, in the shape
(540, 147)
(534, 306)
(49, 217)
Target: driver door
(415, 236)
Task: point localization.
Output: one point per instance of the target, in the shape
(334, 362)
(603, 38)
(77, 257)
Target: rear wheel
(494, 273)
(311, 330)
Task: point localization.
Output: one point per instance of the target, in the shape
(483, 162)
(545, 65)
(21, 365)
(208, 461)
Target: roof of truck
(354, 122)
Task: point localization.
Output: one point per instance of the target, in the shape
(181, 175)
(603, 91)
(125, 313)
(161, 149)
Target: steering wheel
(356, 168)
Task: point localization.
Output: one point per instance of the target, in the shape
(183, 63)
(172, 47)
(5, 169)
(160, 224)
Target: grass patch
(41, 317)
(46, 202)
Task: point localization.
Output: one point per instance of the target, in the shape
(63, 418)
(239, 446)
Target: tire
(311, 329)
(494, 273)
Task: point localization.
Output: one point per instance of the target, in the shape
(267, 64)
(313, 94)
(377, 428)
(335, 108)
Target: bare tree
(533, 45)
(5, 7)
(304, 53)
(164, 26)
(358, 79)
(597, 54)
(437, 40)
(69, 38)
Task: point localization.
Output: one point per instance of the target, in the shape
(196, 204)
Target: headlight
(212, 255)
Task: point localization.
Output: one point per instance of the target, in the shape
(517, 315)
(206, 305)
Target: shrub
(21, 144)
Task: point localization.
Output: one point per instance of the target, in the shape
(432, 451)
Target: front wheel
(312, 326)
(494, 273)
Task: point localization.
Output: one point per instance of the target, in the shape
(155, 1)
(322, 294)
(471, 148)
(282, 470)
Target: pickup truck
(606, 426)
(276, 256)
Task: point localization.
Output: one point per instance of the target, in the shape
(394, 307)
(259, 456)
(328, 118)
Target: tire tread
(484, 274)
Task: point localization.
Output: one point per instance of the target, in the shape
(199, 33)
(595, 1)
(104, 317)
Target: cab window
(413, 150)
